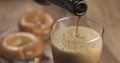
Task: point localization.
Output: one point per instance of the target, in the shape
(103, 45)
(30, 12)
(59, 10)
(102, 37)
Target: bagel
(21, 45)
(37, 23)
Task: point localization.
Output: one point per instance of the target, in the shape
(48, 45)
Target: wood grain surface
(106, 12)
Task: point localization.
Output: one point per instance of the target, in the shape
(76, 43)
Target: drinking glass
(84, 51)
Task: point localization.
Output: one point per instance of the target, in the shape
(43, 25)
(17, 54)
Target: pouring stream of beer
(77, 23)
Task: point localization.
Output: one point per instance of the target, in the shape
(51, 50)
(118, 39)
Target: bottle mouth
(80, 8)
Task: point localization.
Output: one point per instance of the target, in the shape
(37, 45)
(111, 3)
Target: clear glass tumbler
(86, 47)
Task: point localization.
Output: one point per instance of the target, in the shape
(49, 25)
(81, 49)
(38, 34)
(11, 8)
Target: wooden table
(106, 12)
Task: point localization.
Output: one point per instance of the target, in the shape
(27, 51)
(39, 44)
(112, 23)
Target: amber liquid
(67, 48)
(77, 24)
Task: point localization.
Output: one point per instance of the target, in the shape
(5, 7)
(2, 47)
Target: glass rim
(88, 19)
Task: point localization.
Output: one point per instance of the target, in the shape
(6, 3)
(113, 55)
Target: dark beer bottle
(77, 7)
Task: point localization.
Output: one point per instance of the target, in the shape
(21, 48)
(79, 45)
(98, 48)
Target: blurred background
(106, 12)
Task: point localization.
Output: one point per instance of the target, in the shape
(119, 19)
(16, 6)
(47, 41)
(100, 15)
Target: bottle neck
(77, 7)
